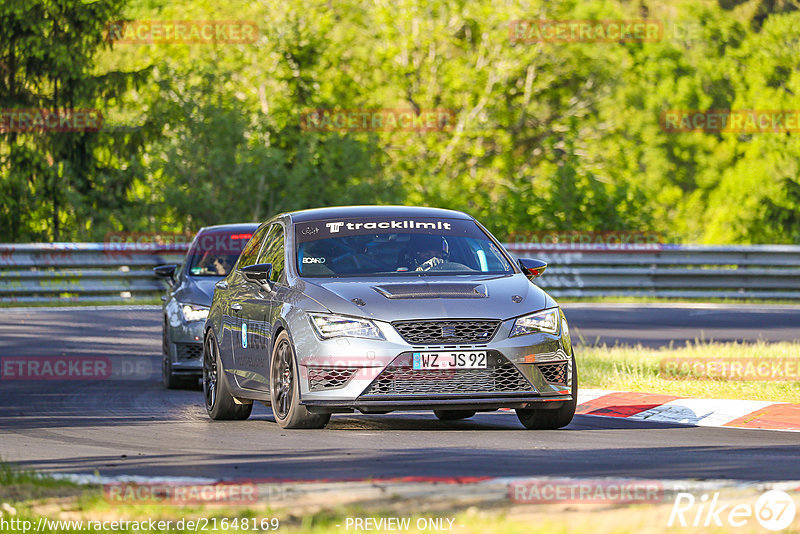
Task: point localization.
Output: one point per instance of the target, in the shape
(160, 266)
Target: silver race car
(383, 308)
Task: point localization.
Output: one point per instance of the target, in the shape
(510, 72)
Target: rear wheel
(285, 389)
(452, 415)
(533, 419)
(220, 404)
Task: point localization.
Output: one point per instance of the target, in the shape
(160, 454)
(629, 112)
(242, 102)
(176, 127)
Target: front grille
(446, 332)
(555, 373)
(322, 378)
(402, 379)
(189, 351)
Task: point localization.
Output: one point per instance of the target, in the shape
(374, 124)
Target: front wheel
(285, 389)
(168, 377)
(220, 404)
(533, 419)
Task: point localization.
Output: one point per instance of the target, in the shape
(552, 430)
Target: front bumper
(343, 374)
(387, 404)
(185, 347)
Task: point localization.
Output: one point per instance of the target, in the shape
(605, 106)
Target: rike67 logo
(774, 510)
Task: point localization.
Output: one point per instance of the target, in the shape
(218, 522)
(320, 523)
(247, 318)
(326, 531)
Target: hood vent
(433, 291)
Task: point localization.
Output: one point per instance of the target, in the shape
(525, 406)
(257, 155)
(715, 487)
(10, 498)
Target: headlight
(328, 326)
(544, 321)
(192, 312)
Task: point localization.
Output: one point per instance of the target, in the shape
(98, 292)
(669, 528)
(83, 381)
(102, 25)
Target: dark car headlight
(328, 326)
(193, 312)
(544, 321)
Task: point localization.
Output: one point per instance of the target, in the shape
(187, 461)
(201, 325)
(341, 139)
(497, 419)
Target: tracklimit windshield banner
(332, 228)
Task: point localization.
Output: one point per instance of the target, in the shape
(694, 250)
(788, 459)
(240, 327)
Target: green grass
(29, 496)
(638, 368)
(33, 496)
(20, 485)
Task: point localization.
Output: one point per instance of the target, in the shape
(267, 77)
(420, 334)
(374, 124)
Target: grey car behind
(210, 257)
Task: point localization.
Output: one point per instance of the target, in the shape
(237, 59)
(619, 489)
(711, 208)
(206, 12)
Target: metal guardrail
(668, 271)
(74, 272)
(122, 272)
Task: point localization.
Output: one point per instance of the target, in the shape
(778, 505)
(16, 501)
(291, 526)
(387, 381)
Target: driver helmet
(424, 247)
(219, 264)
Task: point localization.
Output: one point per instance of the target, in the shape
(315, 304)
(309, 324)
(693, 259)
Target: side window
(250, 252)
(274, 253)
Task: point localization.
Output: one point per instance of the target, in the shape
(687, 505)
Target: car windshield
(215, 253)
(412, 246)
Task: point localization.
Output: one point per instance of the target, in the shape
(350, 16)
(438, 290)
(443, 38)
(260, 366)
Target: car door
(257, 312)
(235, 290)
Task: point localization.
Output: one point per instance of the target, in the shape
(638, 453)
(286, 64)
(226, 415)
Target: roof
(342, 212)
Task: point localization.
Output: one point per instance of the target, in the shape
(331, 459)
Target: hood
(198, 290)
(429, 297)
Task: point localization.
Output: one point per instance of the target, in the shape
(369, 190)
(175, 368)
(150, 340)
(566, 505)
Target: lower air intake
(324, 378)
(188, 351)
(503, 377)
(556, 373)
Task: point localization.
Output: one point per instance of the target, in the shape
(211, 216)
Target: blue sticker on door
(244, 335)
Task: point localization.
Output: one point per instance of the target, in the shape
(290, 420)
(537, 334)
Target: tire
(219, 402)
(453, 415)
(552, 419)
(168, 378)
(285, 389)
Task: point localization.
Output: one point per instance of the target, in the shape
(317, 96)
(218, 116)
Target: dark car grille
(555, 373)
(404, 380)
(189, 351)
(322, 378)
(446, 332)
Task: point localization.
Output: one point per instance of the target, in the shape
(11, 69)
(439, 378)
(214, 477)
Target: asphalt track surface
(131, 425)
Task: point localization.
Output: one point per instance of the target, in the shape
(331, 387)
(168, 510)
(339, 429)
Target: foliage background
(549, 136)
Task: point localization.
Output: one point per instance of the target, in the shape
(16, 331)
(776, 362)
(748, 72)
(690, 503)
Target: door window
(251, 250)
(273, 252)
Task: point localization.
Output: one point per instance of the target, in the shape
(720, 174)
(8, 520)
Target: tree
(48, 177)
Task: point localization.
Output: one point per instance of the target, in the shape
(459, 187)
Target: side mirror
(532, 268)
(258, 274)
(167, 272)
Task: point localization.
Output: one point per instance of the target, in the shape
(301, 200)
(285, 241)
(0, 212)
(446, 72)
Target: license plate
(449, 360)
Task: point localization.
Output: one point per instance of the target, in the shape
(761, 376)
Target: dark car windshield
(215, 253)
(410, 246)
